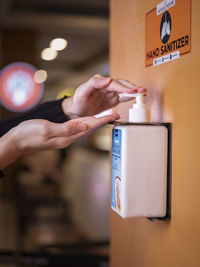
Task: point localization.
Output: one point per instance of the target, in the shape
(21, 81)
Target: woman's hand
(96, 95)
(34, 135)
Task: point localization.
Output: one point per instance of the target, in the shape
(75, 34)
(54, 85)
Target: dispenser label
(116, 170)
(168, 32)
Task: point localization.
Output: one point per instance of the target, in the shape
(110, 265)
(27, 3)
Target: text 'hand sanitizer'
(140, 164)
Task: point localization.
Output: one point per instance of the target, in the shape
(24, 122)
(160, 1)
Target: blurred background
(54, 202)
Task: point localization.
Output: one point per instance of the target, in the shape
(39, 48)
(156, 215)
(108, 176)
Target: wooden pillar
(139, 242)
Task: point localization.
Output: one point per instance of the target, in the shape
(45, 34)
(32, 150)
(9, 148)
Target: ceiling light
(58, 44)
(40, 76)
(48, 54)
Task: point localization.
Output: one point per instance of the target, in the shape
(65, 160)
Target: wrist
(67, 107)
(8, 150)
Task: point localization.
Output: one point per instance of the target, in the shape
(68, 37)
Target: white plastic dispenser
(140, 165)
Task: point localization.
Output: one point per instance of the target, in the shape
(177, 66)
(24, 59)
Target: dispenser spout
(140, 98)
(138, 113)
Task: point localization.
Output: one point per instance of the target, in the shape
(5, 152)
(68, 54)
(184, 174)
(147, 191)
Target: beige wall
(139, 242)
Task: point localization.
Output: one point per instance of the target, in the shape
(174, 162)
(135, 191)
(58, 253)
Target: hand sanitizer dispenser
(140, 165)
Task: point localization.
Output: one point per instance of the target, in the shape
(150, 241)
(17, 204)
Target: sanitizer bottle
(140, 165)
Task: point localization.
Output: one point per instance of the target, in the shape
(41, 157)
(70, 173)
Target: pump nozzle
(140, 98)
(139, 112)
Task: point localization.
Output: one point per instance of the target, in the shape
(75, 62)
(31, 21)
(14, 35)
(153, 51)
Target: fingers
(80, 125)
(87, 126)
(67, 128)
(96, 82)
(123, 86)
(125, 98)
(142, 90)
(117, 85)
(139, 89)
(127, 83)
(106, 84)
(95, 123)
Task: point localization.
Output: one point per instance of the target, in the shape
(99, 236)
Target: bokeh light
(40, 76)
(48, 54)
(58, 44)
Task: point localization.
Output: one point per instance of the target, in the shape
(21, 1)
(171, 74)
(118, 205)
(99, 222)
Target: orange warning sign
(168, 31)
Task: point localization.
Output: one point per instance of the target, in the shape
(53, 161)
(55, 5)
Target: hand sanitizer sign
(116, 171)
(168, 31)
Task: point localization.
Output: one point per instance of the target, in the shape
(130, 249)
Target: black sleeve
(1, 174)
(51, 111)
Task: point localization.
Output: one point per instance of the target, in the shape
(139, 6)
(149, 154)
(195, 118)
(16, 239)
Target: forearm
(8, 150)
(51, 111)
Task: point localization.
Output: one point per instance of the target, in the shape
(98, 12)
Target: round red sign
(18, 90)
